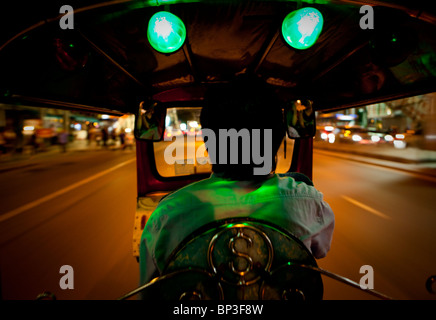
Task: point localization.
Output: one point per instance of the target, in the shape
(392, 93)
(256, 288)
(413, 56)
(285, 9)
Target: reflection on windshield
(300, 119)
(183, 131)
(148, 124)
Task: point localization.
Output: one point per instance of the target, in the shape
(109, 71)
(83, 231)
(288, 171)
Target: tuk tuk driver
(233, 190)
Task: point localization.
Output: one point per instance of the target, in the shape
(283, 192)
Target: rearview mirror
(300, 119)
(150, 121)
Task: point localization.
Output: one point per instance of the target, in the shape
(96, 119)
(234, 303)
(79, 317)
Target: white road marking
(367, 208)
(35, 203)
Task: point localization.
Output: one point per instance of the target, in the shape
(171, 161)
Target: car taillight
(143, 221)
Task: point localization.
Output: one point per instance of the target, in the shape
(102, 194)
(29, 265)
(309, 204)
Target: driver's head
(244, 104)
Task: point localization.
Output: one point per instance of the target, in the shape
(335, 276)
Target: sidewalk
(27, 158)
(408, 159)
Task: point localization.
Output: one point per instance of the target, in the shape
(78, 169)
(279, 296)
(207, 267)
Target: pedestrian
(10, 138)
(89, 136)
(122, 139)
(105, 136)
(63, 140)
(2, 142)
(34, 143)
(54, 138)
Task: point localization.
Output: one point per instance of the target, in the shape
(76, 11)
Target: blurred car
(354, 134)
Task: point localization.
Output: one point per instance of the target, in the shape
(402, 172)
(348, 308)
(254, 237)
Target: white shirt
(280, 199)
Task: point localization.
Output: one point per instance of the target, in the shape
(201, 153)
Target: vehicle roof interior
(106, 64)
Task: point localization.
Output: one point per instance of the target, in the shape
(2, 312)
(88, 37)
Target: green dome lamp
(166, 32)
(301, 28)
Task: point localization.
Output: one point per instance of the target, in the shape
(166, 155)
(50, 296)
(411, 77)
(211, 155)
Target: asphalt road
(81, 214)
(385, 218)
(77, 209)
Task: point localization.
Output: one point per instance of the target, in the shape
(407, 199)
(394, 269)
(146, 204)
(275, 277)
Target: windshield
(182, 151)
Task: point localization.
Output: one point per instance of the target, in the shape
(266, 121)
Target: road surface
(81, 214)
(385, 218)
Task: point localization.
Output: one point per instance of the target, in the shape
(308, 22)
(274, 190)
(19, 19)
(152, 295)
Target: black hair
(247, 102)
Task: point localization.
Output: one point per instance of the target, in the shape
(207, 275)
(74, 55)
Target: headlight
(356, 138)
(375, 138)
(389, 138)
(331, 137)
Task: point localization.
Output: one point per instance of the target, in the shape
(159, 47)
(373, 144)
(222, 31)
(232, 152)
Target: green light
(301, 28)
(166, 32)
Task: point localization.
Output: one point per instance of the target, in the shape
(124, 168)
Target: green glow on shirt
(166, 32)
(301, 28)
